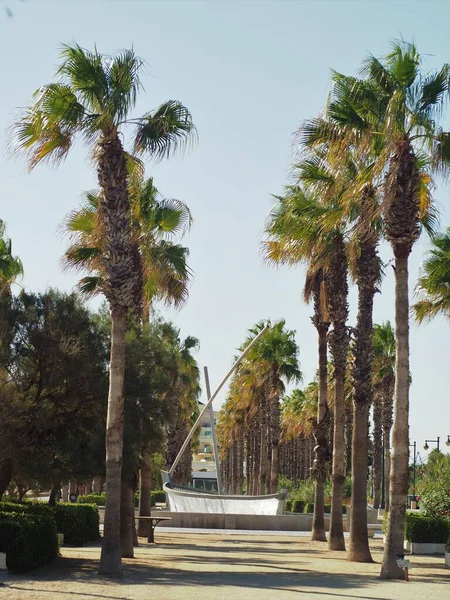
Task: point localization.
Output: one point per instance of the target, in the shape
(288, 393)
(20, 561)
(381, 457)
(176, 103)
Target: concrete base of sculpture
(289, 522)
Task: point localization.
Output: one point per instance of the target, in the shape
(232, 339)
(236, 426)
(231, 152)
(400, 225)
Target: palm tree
(384, 353)
(182, 399)
(299, 231)
(336, 168)
(165, 276)
(434, 282)
(397, 109)
(414, 146)
(275, 359)
(93, 97)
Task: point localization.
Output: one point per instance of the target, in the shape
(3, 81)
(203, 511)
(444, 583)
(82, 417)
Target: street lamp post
(447, 443)
(426, 446)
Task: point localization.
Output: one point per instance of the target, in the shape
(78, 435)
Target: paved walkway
(203, 566)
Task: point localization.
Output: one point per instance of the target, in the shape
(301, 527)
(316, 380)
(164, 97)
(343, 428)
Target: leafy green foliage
(433, 485)
(426, 530)
(27, 535)
(97, 499)
(52, 408)
(298, 506)
(78, 522)
(433, 286)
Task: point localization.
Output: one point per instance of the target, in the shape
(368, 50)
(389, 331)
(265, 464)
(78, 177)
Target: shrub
(435, 503)
(298, 506)
(309, 508)
(78, 522)
(159, 496)
(426, 530)
(98, 499)
(29, 539)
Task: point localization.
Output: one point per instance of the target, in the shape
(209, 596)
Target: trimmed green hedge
(309, 508)
(421, 529)
(97, 499)
(159, 496)
(100, 499)
(298, 506)
(78, 522)
(29, 539)
(426, 530)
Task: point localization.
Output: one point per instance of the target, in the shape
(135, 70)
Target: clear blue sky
(249, 72)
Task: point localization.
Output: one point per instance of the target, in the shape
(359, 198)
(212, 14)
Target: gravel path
(205, 566)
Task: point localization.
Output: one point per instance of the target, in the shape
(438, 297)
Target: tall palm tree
(339, 170)
(275, 359)
(154, 220)
(93, 97)
(299, 232)
(384, 352)
(434, 283)
(414, 145)
(182, 398)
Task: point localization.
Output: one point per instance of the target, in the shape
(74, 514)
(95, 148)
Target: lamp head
(426, 446)
(447, 443)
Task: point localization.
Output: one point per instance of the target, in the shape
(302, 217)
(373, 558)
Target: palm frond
(162, 132)
(86, 73)
(124, 82)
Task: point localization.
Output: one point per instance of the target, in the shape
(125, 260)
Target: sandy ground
(199, 566)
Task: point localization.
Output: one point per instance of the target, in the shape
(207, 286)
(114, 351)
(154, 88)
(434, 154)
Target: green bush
(309, 508)
(426, 530)
(98, 499)
(298, 506)
(159, 496)
(29, 539)
(78, 522)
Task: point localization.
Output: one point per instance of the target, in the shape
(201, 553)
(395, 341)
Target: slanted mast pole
(210, 400)
(213, 431)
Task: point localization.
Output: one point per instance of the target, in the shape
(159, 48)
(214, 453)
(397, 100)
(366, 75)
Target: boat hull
(195, 502)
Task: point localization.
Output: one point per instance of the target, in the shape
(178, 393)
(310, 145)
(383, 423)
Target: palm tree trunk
(263, 460)
(126, 519)
(321, 450)
(387, 468)
(348, 437)
(336, 536)
(377, 450)
(110, 561)
(359, 542)
(399, 473)
(97, 484)
(337, 293)
(367, 273)
(145, 487)
(5, 475)
(54, 493)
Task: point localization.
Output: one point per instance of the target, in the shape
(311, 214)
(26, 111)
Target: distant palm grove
(106, 397)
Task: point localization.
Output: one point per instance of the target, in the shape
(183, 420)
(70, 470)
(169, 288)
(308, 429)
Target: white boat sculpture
(185, 499)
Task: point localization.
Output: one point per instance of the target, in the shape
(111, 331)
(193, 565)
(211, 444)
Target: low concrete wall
(416, 548)
(289, 522)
